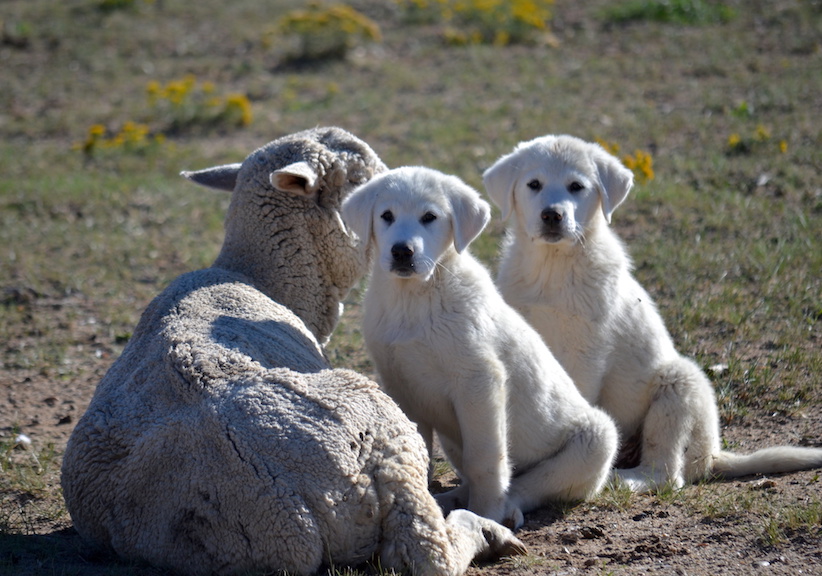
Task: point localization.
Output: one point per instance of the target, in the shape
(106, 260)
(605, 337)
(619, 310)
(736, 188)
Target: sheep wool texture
(221, 442)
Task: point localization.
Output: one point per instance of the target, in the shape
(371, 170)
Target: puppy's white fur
(569, 275)
(461, 362)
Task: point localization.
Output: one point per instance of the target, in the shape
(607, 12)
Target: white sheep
(222, 442)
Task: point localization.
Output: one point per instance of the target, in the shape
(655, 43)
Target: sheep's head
(284, 228)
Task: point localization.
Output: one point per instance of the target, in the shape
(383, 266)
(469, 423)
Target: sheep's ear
(219, 177)
(500, 180)
(358, 211)
(470, 214)
(615, 180)
(298, 178)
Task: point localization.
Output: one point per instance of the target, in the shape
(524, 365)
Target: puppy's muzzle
(402, 259)
(551, 224)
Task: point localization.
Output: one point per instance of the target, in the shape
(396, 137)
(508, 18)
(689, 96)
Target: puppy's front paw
(643, 480)
(514, 518)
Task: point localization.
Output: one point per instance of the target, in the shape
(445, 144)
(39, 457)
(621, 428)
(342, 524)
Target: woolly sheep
(221, 441)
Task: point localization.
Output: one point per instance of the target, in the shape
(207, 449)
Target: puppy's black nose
(401, 252)
(551, 216)
(402, 259)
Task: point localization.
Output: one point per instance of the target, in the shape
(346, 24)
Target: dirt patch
(746, 526)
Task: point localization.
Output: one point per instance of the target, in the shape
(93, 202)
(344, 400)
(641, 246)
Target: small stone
(22, 441)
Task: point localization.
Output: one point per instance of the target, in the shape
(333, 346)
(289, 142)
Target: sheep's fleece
(221, 442)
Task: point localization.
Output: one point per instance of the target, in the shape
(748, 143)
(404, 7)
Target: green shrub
(672, 11)
(498, 22)
(183, 104)
(174, 107)
(325, 31)
(132, 137)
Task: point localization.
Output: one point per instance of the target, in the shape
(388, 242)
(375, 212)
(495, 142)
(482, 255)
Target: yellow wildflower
(153, 90)
(644, 165)
(239, 102)
(501, 38)
(611, 147)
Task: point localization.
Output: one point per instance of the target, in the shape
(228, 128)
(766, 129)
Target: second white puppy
(461, 362)
(570, 275)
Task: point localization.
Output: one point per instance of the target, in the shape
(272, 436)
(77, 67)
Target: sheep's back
(221, 440)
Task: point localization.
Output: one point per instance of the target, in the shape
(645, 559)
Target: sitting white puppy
(568, 273)
(461, 362)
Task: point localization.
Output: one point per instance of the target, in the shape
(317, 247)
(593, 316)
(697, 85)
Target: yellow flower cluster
(132, 136)
(175, 106)
(740, 145)
(498, 22)
(327, 30)
(175, 91)
(193, 102)
(238, 105)
(640, 163)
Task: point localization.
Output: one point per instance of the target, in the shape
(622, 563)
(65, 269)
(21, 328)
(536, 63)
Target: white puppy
(461, 362)
(567, 272)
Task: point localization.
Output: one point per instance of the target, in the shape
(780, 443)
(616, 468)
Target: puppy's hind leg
(576, 472)
(681, 430)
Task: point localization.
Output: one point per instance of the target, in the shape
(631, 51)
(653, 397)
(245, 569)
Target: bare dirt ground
(723, 527)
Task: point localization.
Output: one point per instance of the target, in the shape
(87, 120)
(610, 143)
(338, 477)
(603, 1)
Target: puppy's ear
(615, 180)
(357, 210)
(470, 213)
(500, 180)
(298, 178)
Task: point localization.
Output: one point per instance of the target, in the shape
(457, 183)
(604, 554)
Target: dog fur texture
(569, 275)
(461, 362)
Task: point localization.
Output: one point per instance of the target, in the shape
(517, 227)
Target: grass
(784, 522)
(689, 12)
(29, 486)
(725, 237)
(758, 505)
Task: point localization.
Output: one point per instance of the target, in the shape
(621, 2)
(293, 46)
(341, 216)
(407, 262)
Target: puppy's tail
(767, 461)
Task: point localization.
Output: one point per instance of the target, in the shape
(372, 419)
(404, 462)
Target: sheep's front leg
(474, 538)
(416, 537)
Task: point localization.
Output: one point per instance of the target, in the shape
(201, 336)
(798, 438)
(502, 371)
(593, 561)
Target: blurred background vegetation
(715, 105)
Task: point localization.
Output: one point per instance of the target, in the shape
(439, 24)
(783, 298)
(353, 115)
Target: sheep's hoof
(502, 542)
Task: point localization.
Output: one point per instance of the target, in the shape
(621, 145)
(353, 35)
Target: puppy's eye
(387, 217)
(428, 217)
(575, 186)
(535, 185)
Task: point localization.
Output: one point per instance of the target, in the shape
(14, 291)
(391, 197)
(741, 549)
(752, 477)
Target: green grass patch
(29, 489)
(690, 12)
